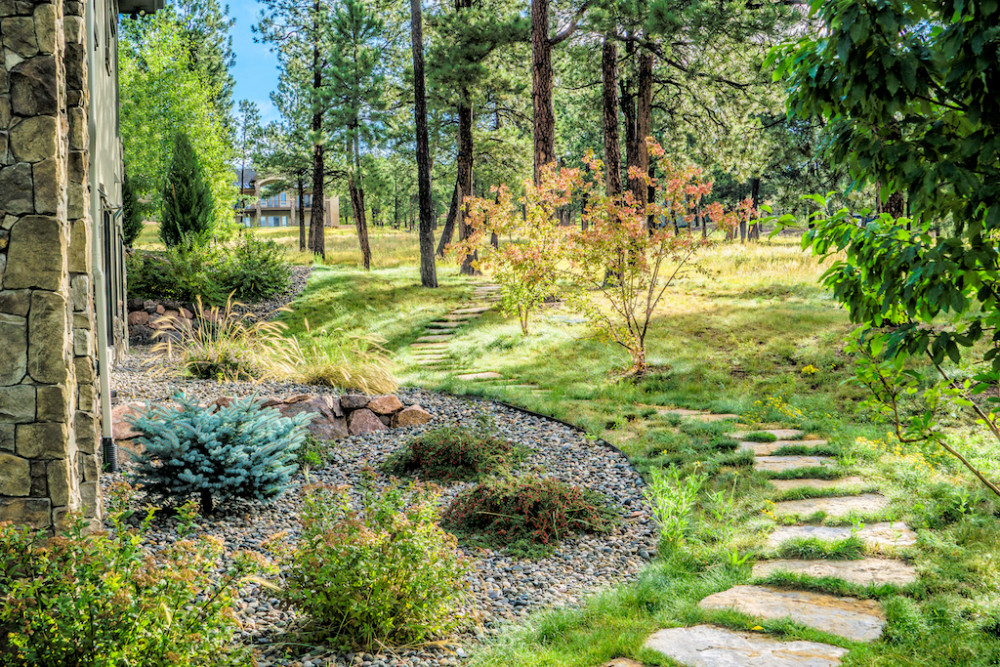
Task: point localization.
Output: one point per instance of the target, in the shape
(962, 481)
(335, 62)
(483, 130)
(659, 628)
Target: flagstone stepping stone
(879, 535)
(680, 412)
(475, 310)
(716, 417)
(442, 326)
(787, 484)
(486, 375)
(712, 646)
(767, 448)
(858, 620)
(452, 317)
(779, 433)
(622, 662)
(433, 338)
(834, 506)
(783, 463)
(862, 572)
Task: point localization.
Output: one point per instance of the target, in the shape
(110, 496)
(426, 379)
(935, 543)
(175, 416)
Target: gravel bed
(502, 588)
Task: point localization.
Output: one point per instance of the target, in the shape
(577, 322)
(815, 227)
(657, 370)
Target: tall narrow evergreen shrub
(131, 215)
(187, 200)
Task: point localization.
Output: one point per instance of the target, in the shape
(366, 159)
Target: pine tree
(187, 201)
(131, 216)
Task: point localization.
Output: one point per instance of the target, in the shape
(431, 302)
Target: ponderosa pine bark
(612, 149)
(300, 188)
(428, 270)
(544, 121)
(644, 120)
(355, 187)
(464, 180)
(449, 223)
(317, 240)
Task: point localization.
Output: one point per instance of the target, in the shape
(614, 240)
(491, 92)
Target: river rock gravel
(502, 588)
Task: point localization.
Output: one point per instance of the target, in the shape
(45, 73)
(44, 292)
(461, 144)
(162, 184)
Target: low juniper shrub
(217, 453)
(104, 599)
(527, 516)
(381, 573)
(455, 454)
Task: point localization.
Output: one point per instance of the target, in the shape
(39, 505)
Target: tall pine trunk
(464, 179)
(300, 187)
(544, 129)
(612, 149)
(317, 241)
(644, 118)
(449, 223)
(628, 106)
(755, 197)
(355, 186)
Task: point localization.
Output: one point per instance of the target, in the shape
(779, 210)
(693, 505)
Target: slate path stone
(784, 463)
(486, 375)
(768, 448)
(880, 535)
(843, 482)
(713, 646)
(862, 572)
(858, 620)
(434, 338)
(474, 310)
(779, 433)
(837, 506)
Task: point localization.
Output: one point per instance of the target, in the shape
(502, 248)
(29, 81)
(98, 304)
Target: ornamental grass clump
(217, 453)
(105, 600)
(381, 573)
(527, 516)
(455, 454)
(227, 346)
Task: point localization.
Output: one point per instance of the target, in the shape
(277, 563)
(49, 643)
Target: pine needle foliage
(131, 213)
(238, 451)
(187, 199)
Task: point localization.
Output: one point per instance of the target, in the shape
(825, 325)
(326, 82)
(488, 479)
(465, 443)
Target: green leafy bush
(250, 270)
(384, 573)
(529, 515)
(256, 269)
(455, 453)
(239, 451)
(104, 600)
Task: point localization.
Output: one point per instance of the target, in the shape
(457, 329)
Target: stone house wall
(49, 459)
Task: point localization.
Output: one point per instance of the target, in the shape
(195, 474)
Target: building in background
(265, 207)
(62, 282)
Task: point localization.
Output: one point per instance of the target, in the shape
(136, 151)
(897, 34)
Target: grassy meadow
(746, 329)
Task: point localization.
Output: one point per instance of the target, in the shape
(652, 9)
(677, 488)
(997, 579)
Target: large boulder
(327, 422)
(411, 416)
(364, 421)
(386, 404)
(354, 401)
(120, 428)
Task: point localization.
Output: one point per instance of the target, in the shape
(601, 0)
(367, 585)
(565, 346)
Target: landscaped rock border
(333, 417)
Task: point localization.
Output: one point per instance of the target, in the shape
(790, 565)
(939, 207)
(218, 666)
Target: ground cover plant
(455, 453)
(218, 452)
(527, 515)
(381, 573)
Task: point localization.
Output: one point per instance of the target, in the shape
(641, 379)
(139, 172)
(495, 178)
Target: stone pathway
(853, 619)
(431, 348)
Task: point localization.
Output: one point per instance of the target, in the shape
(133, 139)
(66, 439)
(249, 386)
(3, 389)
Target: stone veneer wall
(48, 435)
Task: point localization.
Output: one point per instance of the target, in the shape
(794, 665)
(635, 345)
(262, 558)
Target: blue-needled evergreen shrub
(239, 451)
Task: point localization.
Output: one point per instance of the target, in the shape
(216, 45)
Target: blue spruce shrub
(239, 451)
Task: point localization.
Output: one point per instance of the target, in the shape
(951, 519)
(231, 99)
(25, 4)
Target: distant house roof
(136, 6)
(245, 178)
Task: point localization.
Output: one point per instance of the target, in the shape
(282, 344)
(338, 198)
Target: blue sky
(256, 70)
